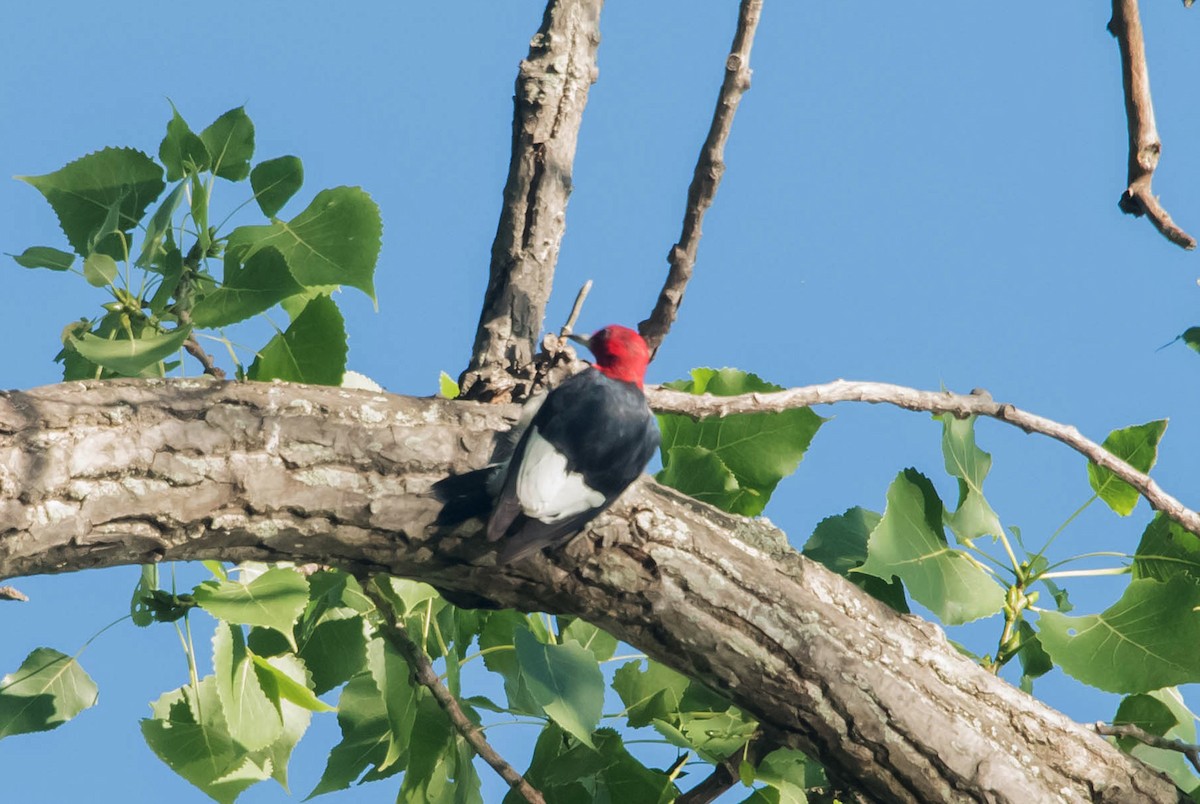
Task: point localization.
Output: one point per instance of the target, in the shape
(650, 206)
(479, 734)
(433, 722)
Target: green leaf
(365, 736)
(498, 638)
(910, 543)
(275, 181)
(1137, 445)
(840, 543)
(447, 386)
(189, 733)
(139, 609)
(47, 690)
(334, 651)
(181, 151)
(272, 600)
(758, 449)
(1035, 662)
(296, 717)
(253, 718)
(99, 269)
(699, 472)
(156, 239)
(247, 290)
(286, 687)
(230, 144)
(566, 682)
(785, 770)
(393, 679)
(1166, 550)
(1144, 641)
(601, 644)
(126, 357)
(1191, 336)
(966, 461)
(82, 192)
(312, 349)
(651, 694)
(334, 241)
(46, 257)
(1162, 713)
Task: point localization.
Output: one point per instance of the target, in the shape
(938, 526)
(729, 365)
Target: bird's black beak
(583, 340)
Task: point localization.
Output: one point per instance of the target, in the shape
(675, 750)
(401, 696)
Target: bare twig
(1144, 145)
(709, 168)
(194, 349)
(569, 327)
(1192, 752)
(978, 403)
(12, 593)
(551, 93)
(427, 677)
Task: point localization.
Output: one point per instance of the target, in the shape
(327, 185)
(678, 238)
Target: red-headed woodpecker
(587, 440)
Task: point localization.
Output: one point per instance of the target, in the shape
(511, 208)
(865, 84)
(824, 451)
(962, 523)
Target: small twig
(978, 403)
(707, 176)
(12, 593)
(569, 327)
(427, 677)
(1192, 752)
(1145, 147)
(194, 349)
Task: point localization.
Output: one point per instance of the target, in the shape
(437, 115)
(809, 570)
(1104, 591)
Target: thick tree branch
(427, 677)
(552, 90)
(706, 178)
(980, 403)
(129, 472)
(1144, 145)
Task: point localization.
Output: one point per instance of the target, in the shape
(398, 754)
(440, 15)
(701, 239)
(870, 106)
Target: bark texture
(98, 474)
(552, 90)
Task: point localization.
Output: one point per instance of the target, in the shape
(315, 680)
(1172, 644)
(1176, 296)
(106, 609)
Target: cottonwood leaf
(973, 517)
(1137, 445)
(334, 241)
(47, 690)
(275, 181)
(253, 718)
(1166, 550)
(129, 357)
(1144, 641)
(366, 736)
(272, 600)
(82, 192)
(566, 682)
(758, 449)
(654, 693)
(45, 257)
(157, 239)
(230, 144)
(312, 349)
(910, 543)
(840, 543)
(246, 290)
(181, 150)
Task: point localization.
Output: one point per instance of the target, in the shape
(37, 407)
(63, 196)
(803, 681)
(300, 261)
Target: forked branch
(978, 403)
(1144, 145)
(706, 178)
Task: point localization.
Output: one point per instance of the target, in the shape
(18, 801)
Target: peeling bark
(99, 474)
(552, 90)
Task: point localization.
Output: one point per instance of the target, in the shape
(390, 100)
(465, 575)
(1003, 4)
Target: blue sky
(925, 196)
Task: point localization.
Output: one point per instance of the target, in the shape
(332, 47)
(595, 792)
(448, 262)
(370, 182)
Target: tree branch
(136, 471)
(425, 675)
(1144, 145)
(978, 403)
(705, 179)
(1192, 752)
(552, 90)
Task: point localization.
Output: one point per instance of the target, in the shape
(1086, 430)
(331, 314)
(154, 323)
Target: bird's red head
(620, 353)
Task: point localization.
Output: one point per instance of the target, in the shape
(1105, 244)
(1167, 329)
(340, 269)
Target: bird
(584, 443)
